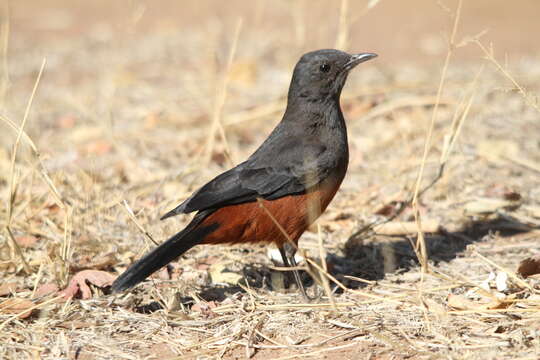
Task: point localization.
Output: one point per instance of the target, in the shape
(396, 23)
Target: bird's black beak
(357, 59)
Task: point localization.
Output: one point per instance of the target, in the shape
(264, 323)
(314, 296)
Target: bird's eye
(324, 68)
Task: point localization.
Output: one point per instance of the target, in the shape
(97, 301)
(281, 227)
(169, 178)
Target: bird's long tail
(192, 235)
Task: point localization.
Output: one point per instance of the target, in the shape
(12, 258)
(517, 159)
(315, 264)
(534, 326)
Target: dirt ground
(122, 127)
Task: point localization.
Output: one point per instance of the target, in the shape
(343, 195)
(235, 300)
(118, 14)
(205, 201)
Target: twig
(311, 353)
(420, 249)
(136, 222)
(489, 56)
(513, 275)
(220, 102)
(342, 40)
(324, 279)
(418, 193)
(37, 306)
(12, 184)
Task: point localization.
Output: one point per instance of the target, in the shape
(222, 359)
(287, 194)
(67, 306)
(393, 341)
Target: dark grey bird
(281, 189)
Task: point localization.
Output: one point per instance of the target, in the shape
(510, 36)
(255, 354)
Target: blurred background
(400, 31)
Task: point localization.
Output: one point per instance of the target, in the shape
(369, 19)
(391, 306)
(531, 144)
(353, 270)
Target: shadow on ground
(370, 258)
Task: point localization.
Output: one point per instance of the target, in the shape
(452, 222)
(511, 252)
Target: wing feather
(287, 173)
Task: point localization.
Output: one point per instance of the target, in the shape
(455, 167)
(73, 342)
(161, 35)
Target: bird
(283, 187)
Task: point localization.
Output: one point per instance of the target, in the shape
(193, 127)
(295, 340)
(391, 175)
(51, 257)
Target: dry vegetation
(118, 133)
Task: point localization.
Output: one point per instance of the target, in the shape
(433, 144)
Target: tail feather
(171, 249)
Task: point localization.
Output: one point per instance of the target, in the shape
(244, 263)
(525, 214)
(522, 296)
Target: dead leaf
(497, 304)
(205, 308)
(529, 266)
(52, 208)
(8, 288)
(389, 209)
(407, 227)
(78, 286)
(98, 147)
(17, 306)
(435, 307)
(220, 274)
(26, 241)
(47, 289)
(459, 302)
(512, 196)
(488, 206)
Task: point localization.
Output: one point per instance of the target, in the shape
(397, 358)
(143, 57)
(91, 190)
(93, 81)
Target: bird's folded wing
(252, 179)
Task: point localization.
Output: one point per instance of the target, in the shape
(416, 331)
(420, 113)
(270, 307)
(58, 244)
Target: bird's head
(320, 75)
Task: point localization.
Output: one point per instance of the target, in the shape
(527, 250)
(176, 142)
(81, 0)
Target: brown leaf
(46, 289)
(78, 286)
(512, 196)
(17, 306)
(529, 266)
(460, 302)
(389, 209)
(98, 147)
(497, 304)
(205, 308)
(434, 307)
(220, 273)
(407, 227)
(8, 288)
(53, 208)
(26, 241)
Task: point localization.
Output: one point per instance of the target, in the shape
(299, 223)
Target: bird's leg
(287, 252)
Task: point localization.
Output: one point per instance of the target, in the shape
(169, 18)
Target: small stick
(491, 58)
(12, 184)
(139, 226)
(324, 279)
(220, 102)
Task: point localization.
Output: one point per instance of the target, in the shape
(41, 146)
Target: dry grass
(118, 133)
